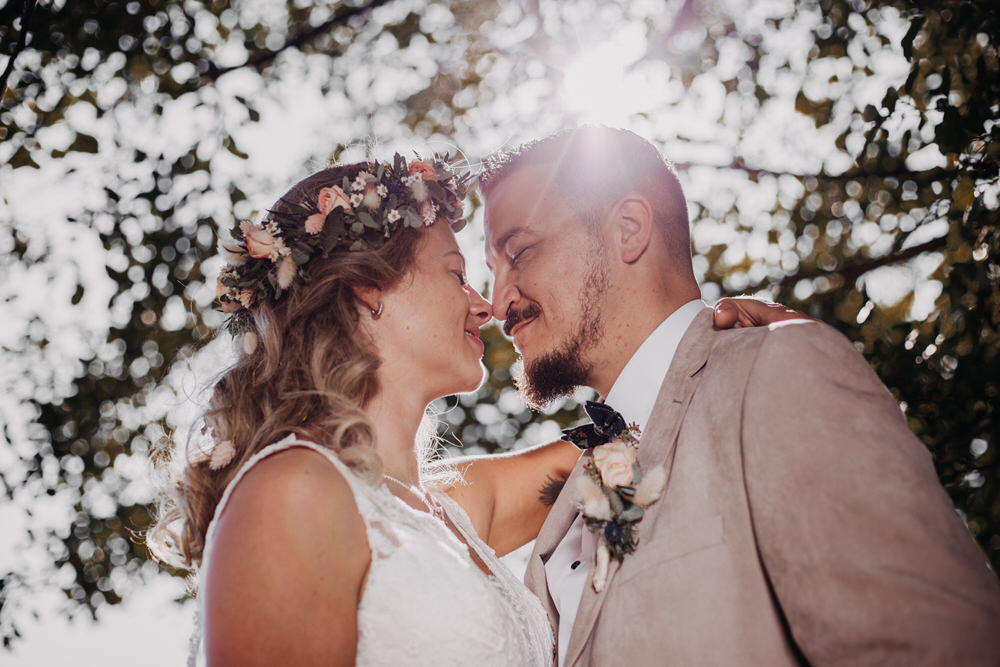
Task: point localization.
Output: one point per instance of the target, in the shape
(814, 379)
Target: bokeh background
(838, 156)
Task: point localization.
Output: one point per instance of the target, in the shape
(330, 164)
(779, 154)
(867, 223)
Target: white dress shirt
(633, 394)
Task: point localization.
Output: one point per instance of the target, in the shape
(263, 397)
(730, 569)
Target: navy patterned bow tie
(608, 425)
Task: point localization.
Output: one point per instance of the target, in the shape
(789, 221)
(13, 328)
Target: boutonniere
(614, 490)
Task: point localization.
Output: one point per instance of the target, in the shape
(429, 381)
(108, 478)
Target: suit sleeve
(865, 553)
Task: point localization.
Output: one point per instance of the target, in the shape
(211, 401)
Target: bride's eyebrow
(457, 253)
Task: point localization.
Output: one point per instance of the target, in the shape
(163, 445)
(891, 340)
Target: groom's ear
(633, 227)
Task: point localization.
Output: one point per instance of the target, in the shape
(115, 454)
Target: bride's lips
(473, 335)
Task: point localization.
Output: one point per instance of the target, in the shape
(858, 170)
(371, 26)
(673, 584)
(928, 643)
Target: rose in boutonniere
(614, 461)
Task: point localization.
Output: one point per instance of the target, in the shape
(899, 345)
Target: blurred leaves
(903, 191)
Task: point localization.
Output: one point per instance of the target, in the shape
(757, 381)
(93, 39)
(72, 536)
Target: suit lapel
(656, 448)
(553, 529)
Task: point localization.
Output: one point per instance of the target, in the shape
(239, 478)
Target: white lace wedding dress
(425, 602)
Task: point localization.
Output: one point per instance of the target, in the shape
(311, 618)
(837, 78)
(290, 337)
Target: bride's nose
(479, 308)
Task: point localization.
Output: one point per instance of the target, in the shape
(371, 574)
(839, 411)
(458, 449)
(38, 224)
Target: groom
(800, 520)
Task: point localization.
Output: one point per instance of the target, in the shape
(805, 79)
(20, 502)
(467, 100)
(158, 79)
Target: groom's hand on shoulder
(735, 313)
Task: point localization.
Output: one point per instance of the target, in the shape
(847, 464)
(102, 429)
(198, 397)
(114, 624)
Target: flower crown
(355, 215)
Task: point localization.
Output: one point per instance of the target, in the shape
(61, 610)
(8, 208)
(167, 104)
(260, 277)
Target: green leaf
(301, 253)
(411, 219)
(367, 220)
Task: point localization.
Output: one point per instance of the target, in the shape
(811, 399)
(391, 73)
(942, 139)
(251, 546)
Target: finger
(727, 314)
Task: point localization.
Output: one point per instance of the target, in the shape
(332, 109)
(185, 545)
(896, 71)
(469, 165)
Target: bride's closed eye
(461, 278)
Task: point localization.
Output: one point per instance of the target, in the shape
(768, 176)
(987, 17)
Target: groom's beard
(558, 373)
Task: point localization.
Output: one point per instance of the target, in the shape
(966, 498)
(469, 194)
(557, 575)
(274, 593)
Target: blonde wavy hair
(311, 373)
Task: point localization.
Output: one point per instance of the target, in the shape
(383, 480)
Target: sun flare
(601, 86)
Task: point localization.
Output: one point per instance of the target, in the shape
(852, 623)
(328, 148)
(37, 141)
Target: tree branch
(925, 176)
(29, 7)
(848, 272)
(264, 58)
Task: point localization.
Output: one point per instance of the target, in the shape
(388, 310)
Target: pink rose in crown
(328, 199)
(614, 461)
(260, 243)
(332, 197)
(425, 169)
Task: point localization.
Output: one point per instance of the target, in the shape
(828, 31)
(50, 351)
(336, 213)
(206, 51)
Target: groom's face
(549, 282)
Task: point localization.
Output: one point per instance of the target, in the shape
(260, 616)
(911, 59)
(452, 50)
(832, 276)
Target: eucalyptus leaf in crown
(266, 256)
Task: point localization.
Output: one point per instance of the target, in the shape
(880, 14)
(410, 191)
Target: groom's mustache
(514, 317)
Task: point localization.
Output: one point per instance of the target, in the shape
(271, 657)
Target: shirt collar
(634, 392)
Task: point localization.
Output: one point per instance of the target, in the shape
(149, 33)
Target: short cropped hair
(594, 168)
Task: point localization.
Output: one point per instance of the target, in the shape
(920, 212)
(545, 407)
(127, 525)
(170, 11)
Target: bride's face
(429, 330)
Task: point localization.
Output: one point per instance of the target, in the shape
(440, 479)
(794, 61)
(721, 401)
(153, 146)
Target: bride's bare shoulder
(290, 532)
(291, 489)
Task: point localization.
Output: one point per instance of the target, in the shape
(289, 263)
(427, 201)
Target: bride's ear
(368, 297)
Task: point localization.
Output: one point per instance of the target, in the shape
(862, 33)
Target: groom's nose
(505, 294)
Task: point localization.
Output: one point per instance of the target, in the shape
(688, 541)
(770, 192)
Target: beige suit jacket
(802, 522)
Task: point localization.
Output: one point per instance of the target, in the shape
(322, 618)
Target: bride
(320, 534)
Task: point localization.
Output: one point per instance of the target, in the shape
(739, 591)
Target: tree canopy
(838, 156)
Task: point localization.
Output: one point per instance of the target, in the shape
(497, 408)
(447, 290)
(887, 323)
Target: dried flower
(593, 502)
(428, 212)
(246, 297)
(222, 455)
(286, 272)
(249, 342)
(260, 242)
(224, 294)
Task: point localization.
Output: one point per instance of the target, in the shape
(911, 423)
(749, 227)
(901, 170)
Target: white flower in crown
(382, 190)
(360, 181)
(356, 199)
(392, 216)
